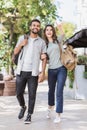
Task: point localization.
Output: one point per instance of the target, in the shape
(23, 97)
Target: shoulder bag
(68, 57)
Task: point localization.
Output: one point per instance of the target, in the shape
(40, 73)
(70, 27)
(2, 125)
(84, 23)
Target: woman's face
(49, 32)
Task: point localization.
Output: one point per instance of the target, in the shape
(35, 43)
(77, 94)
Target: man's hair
(34, 20)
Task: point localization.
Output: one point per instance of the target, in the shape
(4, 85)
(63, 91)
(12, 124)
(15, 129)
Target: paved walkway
(73, 118)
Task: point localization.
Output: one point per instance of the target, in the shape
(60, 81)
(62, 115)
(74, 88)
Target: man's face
(35, 27)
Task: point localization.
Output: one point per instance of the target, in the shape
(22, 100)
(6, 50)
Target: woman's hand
(43, 56)
(60, 28)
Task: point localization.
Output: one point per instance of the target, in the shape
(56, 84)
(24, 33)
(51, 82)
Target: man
(32, 47)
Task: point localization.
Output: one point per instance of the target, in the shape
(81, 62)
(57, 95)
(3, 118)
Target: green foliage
(71, 78)
(21, 12)
(15, 15)
(85, 74)
(82, 60)
(69, 29)
(5, 54)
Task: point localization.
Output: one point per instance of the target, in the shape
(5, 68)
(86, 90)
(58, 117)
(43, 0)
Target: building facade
(81, 19)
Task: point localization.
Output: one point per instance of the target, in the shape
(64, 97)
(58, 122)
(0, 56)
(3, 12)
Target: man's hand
(41, 77)
(25, 41)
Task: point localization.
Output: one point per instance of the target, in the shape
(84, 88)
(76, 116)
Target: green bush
(85, 74)
(71, 78)
(82, 60)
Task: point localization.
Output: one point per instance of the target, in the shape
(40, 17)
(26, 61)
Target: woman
(57, 73)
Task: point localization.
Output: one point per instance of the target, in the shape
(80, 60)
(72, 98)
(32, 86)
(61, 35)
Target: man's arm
(42, 74)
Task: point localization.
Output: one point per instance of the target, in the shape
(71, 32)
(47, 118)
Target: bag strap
(26, 36)
(60, 49)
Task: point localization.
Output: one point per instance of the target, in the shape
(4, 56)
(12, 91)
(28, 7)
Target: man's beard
(34, 32)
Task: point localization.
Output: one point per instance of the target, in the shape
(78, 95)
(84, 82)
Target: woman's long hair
(54, 34)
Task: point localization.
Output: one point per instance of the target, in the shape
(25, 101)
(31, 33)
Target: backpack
(15, 57)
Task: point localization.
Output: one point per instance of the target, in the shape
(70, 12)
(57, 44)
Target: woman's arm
(60, 28)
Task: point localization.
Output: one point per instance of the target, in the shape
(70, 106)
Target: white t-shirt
(27, 64)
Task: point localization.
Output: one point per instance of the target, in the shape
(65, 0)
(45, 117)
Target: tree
(69, 29)
(16, 14)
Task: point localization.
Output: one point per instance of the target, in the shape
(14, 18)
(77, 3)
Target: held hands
(41, 77)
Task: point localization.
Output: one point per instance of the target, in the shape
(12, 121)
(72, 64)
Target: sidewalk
(73, 118)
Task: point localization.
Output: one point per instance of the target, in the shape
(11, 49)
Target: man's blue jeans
(56, 80)
(32, 81)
